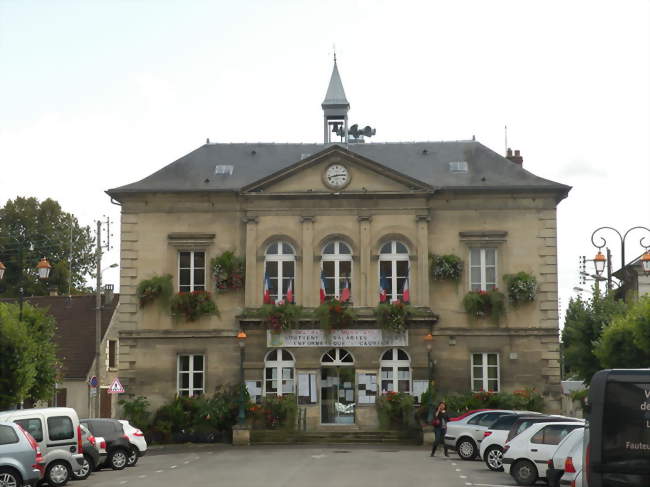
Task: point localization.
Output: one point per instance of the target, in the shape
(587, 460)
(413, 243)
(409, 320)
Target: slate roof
(75, 336)
(425, 161)
(335, 93)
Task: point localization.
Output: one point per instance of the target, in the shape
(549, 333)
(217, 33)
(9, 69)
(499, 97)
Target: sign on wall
(367, 388)
(337, 338)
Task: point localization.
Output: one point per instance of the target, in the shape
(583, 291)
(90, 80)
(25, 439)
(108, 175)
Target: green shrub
(524, 400)
(485, 303)
(228, 271)
(193, 305)
(280, 317)
(446, 267)
(334, 314)
(395, 410)
(393, 316)
(136, 411)
(157, 287)
(274, 412)
(522, 287)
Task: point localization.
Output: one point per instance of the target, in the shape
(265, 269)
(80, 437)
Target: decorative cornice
(364, 218)
(249, 219)
(307, 219)
(190, 239)
(422, 218)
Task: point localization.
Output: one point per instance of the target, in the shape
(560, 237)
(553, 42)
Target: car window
(503, 423)
(523, 426)
(538, 437)
(476, 419)
(34, 427)
(488, 419)
(60, 428)
(552, 434)
(7, 435)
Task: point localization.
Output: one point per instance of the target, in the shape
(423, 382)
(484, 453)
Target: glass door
(337, 395)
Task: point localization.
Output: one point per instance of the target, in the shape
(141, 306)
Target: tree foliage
(28, 362)
(30, 230)
(583, 326)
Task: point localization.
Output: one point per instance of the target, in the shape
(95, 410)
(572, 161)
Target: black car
(118, 446)
(92, 457)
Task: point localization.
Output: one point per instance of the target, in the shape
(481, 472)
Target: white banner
(337, 338)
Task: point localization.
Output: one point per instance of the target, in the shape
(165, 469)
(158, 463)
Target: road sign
(116, 387)
(93, 381)
(93, 391)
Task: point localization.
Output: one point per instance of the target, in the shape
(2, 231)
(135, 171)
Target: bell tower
(335, 109)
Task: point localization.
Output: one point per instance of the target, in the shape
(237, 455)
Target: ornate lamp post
(600, 260)
(428, 338)
(43, 268)
(241, 338)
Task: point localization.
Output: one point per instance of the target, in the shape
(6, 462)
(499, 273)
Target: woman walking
(440, 420)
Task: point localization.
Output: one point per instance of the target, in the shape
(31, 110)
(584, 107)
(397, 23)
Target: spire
(335, 93)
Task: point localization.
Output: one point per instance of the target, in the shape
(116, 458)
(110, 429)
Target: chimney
(517, 159)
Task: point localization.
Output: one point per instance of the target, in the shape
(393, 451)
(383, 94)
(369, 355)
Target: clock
(337, 176)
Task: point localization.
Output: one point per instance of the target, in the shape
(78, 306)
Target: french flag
(406, 295)
(267, 291)
(322, 288)
(345, 294)
(383, 289)
(290, 292)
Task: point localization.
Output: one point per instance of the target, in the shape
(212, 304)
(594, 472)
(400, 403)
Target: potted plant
(446, 267)
(334, 314)
(193, 305)
(156, 287)
(485, 303)
(522, 287)
(279, 317)
(228, 271)
(393, 316)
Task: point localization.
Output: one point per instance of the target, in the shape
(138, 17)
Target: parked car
(524, 422)
(92, 455)
(525, 457)
(491, 447)
(566, 458)
(21, 462)
(137, 440)
(118, 446)
(467, 413)
(464, 435)
(58, 434)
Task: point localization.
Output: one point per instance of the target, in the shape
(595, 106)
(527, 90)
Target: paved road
(298, 466)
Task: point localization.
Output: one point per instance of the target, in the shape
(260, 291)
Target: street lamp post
(600, 260)
(241, 338)
(43, 268)
(429, 338)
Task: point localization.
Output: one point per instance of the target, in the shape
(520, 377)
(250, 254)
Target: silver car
(19, 457)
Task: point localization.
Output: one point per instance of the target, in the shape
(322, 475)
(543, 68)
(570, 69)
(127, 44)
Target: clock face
(337, 176)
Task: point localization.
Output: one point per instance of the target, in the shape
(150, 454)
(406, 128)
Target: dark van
(617, 433)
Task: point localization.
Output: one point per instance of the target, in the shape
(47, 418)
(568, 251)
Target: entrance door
(104, 403)
(337, 387)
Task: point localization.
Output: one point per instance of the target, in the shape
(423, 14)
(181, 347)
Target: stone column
(365, 280)
(252, 297)
(422, 290)
(307, 296)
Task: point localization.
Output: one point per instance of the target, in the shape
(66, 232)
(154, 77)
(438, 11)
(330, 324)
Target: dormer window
(224, 170)
(458, 166)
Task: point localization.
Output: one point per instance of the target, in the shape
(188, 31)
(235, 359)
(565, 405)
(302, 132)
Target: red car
(467, 413)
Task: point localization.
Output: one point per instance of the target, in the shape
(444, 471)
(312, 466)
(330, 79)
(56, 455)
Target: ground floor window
(191, 375)
(485, 372)
(395, 371)
(279, 372)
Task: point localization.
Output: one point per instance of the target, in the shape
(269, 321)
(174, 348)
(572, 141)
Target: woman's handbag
(436, 423)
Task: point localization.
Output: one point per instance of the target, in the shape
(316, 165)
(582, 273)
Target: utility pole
(98, 314)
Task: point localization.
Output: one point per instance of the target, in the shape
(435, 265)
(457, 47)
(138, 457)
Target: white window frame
(337, 358)
(337, 258)
(191, 390)
(279, 365)
(483, 266)
(395, 364)
(484, 369)
(280, 258)
(192, 269)
(393, 257)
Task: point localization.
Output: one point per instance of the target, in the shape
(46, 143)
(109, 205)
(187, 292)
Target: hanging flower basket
(193, 305)
(393, 316)
(485, 304)
(446, 267)
(522, 287)
(281, 317)
(228, 271)
(334, 314)
(157, 287)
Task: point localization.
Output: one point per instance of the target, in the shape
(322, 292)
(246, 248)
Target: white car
(567, 459)
(464, 435)
(491, 447)
(525, 457)
(137, 440)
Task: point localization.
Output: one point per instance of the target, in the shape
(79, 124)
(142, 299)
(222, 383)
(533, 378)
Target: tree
(30, 230)
(625, 343)
(28, 364)
(583, 326)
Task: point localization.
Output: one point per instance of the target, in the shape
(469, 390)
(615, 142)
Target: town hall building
(349, 220)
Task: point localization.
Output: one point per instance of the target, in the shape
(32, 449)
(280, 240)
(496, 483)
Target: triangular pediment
(317, 173)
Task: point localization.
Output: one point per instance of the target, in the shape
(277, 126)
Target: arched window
(393, 269)
(280, 269)
(279, 372)
(395, 371)
(336, 268)
(337, 356)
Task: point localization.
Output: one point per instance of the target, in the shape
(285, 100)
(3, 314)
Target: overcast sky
(97, 94)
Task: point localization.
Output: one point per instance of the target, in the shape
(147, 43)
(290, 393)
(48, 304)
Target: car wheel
(10, 478)
(58, 473)
(524, 472)
(118, 459)
(466, 449)
(494, 458)
(86, 468)
(133, 458)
